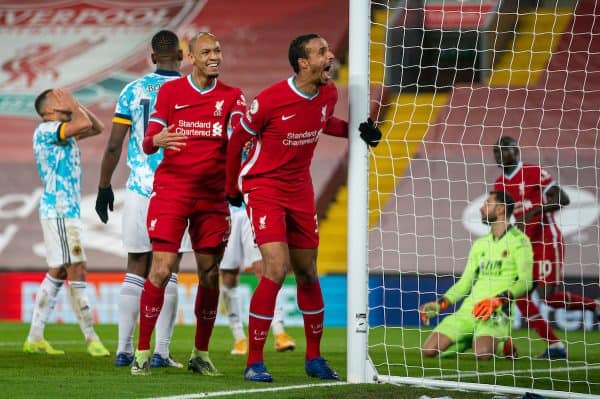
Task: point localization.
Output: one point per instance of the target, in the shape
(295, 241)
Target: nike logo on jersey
(286, 117)
(179, 106)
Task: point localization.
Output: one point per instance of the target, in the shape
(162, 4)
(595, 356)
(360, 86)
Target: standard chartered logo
(217, 130)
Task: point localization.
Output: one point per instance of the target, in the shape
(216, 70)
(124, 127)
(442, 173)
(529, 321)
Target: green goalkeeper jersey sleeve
(495, 266)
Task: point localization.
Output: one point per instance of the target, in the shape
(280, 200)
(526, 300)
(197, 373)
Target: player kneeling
(499, 269)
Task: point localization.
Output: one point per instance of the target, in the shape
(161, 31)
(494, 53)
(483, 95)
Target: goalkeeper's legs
(435, 344)
(486, 346)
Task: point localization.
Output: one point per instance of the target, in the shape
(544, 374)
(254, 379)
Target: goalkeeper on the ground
(499, 269)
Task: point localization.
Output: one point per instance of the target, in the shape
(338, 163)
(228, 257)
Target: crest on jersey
(76, 43)
(241, 100)
(324, 113)
(254, 106)
(219, 108)
(262, 222)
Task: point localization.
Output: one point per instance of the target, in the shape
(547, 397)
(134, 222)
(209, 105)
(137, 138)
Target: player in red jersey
(190, 122)
(283, 124)
(537, 196)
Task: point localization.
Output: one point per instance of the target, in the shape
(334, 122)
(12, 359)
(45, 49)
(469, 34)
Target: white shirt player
(59, 166)
(134, 108)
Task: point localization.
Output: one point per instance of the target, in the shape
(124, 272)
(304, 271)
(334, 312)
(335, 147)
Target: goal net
(447, 80)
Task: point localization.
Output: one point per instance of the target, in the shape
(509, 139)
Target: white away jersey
(134, 107)
(59, 166)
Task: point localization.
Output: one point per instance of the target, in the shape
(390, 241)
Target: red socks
(262, 307)
(531, 312)
(205, 309)
(150, 305)
(310, 303)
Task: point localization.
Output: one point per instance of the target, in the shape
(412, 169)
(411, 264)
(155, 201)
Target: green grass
(77, 375)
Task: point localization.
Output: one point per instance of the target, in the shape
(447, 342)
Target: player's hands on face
(484, 308)
(104, 201)
(370, 133)
(65, 102)
(429, 310)
(169, 140)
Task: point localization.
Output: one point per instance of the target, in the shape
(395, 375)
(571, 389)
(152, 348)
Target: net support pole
(357, 285)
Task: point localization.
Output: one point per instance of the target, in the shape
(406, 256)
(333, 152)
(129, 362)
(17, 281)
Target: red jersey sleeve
(256, 117)
(238, 139)
(335, 126)
(158, 120)
(546, 180)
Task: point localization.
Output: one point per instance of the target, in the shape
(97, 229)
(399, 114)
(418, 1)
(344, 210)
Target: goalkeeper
(499, 269)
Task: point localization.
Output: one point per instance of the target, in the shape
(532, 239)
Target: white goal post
(451, 77)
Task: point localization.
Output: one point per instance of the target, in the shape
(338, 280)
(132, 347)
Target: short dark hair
(165, 42)
(40, 101)
(298, 49)
(506, 199)
(507, 141)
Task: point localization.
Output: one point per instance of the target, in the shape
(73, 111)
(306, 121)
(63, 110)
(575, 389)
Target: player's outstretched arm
(370, 133)
(164, 138)
(432, 309)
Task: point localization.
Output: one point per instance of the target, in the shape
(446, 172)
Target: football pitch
(77, 375)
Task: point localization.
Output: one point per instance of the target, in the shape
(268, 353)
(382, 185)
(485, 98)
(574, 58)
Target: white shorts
(135, 231)
(241, 250)
(62, 238)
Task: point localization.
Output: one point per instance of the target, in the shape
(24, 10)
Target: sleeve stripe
(122, 116)
(247, 128)
(159, 121)
(61, 132)
(122, 121)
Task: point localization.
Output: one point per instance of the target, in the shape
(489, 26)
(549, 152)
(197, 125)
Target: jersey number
(544, 268)
(144, 102)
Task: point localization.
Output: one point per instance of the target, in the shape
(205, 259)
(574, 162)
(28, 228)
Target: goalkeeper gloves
(431, 309)
(104, 200)
(370, 133)
(484, 308)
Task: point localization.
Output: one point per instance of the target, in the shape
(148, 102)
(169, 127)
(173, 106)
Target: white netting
(450, 78)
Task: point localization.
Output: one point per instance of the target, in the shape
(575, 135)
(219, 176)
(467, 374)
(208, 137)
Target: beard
(488, 219)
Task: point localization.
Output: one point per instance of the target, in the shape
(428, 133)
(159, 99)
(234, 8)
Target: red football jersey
(203, 115)
(528, 184)
(286, 124)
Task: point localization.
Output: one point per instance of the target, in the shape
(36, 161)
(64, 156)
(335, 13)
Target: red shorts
(547, 262)
(280, 218)
(168, 217)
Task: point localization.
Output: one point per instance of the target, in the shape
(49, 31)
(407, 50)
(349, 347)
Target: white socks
(277, 323)
(81, 306)
(129, 309)
(167, 317)
(233, 308)
(45, 300)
